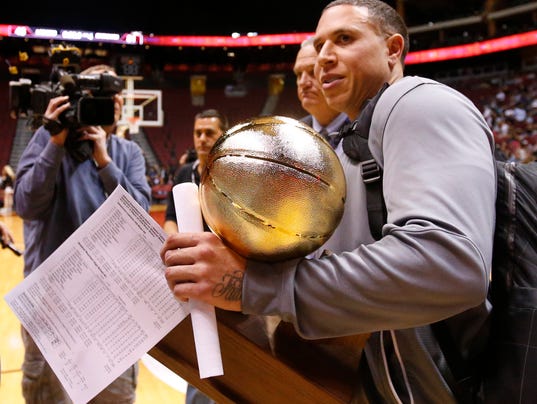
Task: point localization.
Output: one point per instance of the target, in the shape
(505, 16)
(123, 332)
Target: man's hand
(51, 119)
(200, 266)
(98, 136)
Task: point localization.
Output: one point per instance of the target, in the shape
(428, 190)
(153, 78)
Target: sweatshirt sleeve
(36, 176)
(132, 177)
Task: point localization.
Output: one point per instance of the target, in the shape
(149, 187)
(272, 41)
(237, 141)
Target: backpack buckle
(370, 171)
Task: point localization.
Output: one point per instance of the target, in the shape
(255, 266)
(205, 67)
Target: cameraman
(55, 192)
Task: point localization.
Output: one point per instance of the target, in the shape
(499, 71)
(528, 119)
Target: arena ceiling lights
(137, 38)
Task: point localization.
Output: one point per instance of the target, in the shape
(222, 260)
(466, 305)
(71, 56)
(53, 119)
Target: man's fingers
(177, 241)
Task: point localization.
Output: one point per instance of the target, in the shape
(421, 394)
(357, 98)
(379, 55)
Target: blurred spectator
(6, 236)
(189, 156)
(511, 114)
(160, 178)
(6, 186)
(8, 177)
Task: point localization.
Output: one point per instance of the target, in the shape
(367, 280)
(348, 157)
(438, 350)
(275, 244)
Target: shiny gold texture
(273, 189)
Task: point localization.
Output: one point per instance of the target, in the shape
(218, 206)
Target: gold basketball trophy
(273, 189)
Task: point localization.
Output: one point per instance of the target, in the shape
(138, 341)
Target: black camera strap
(52, 125)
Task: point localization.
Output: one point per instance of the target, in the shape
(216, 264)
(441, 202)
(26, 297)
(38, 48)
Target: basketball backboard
(140, 107)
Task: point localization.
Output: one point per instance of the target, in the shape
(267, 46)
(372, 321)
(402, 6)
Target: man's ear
(395, 44)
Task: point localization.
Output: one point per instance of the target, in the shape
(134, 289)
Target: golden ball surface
(273, 189)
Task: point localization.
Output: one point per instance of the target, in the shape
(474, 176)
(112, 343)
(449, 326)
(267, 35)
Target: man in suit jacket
(321, 118)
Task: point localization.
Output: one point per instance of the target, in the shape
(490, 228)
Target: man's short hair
(214, 113)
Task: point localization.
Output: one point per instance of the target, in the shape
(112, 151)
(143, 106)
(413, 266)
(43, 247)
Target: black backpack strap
(355, 145)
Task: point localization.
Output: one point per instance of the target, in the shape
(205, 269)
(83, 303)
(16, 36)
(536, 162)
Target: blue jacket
(54, 194)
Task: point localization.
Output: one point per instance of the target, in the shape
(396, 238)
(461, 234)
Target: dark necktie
(333, 137)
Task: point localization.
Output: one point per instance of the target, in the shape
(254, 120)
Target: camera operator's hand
(98, 136)
(51, 119)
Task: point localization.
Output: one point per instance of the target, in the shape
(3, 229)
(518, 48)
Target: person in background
(59, 185)
(322, 118)
(433, 259)
(8, 177)
(7, 240)
(5, 235)
(209, 126)
(189, 156)
(7, 180)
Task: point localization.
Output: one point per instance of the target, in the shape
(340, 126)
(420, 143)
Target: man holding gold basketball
(432, 261)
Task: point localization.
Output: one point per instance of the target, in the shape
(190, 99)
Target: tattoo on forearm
(231, 287)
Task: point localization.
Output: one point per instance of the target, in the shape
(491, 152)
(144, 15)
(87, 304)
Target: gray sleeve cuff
(264, 288)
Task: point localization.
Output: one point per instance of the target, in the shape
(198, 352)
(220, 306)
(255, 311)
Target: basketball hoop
(133, 122)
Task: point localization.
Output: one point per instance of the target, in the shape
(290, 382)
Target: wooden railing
(292, 370)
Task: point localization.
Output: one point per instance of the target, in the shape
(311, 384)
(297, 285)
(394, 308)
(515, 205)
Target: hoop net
(134, 124)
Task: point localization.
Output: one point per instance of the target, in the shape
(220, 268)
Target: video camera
(91, 95)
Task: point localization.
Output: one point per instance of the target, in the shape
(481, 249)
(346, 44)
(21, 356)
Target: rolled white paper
(189, 219)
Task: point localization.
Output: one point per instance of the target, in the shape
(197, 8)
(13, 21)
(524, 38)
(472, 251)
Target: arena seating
(175, 136)
(7, 125)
